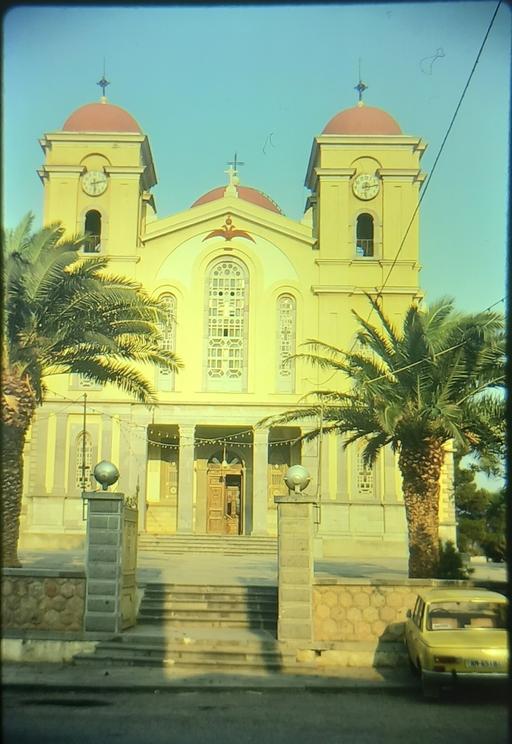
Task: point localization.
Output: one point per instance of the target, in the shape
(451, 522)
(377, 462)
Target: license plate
(482, 664)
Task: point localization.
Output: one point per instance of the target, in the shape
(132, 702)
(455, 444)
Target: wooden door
(224, 502)
(216, 504)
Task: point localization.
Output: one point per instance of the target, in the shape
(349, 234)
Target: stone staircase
(232, 545)
(215, 628)
(202, 629)
(209, 606)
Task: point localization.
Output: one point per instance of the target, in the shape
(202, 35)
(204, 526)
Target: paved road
(290, 717)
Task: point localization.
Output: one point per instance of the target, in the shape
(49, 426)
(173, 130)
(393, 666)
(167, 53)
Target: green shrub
(451, 563)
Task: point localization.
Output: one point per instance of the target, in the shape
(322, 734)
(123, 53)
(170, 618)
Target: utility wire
(429, 179)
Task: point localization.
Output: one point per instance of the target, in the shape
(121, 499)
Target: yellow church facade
(244, 287)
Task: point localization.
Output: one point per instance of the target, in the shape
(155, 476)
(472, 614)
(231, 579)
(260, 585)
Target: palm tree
(62, 313)
(439, 378)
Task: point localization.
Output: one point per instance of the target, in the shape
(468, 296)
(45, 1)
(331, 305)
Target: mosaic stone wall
(362, 611)
(53, 601)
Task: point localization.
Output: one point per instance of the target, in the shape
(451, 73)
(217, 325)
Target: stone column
(137, 462)
(37, 462)
(447, 519)
(259, 481)
(103, 562)
(309, 459)
(186, 479)
(295, 567)
(61, 452)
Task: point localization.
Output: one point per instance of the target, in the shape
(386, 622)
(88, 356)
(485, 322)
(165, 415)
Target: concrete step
(222, 605)
(242, 656)
(194, 621)
(201, 591)
(227, 545)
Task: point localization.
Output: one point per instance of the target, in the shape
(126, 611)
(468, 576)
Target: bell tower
(97, 176)
(365, 179)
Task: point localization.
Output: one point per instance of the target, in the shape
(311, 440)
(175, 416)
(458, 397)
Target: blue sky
(206, 82)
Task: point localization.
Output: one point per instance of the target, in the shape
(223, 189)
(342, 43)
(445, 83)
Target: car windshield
(461, 615)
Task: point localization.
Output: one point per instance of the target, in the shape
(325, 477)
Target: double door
(224, 501)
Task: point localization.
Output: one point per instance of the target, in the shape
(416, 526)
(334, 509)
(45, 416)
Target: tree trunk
(421, 471)
(13, 441)
(18, 405)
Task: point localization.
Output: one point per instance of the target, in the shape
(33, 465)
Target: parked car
(455, 635)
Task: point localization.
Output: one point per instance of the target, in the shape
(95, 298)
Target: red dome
(100, 117)
(362, 120)
(244, 192)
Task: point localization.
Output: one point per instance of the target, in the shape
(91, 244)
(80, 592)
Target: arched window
(286, 321)
(92, 230)
(83, 474)
(364, 235)
(227, 306)
(365, 481)
(168, 340)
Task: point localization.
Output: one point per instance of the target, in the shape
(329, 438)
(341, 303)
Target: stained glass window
(168, 339)
(83, 474)
(227, 323)
(364, 476)
(285, 342)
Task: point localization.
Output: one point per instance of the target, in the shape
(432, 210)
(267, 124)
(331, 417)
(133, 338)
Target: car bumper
(454, 677)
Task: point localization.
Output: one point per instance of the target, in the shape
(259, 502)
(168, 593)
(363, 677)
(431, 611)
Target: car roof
(453, 594)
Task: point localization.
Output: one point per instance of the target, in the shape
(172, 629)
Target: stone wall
(368, 610)
(43, 599)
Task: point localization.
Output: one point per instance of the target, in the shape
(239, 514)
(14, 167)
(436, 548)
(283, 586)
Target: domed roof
(244, 192)
(362, 120)
(101, 117)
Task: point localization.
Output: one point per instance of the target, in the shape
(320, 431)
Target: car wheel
(412, 666)
(430, 689)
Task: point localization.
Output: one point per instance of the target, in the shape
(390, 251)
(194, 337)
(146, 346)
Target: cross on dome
(232, 173)
(103, 84)
(360, 87)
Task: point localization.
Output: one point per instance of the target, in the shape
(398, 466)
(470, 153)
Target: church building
(244, 286)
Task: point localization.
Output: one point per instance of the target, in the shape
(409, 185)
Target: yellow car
(457, 634)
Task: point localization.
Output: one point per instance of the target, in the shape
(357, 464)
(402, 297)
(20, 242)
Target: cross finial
(235, 162)
(103, 84)
(360, 87)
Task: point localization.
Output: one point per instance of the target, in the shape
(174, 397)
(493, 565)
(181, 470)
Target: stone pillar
(295, 567)
(186, 480)
(61, 452)
(137, 463)
(103, 562)
(259, 482)
(447, 518)
(37, 462)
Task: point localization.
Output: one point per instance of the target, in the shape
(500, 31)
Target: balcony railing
(92, 244)
(364, 247)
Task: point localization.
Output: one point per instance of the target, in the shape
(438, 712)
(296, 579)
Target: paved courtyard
(210, 568)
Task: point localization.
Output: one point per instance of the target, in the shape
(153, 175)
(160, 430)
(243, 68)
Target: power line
(429, 179)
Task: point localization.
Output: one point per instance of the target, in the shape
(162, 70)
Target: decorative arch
(365, 235)
(167, 327)
(286, 340)
(92, 231)
(226, 332)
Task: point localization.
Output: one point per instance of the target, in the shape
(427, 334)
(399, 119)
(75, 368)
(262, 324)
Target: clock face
(366, 186)
(94, 183)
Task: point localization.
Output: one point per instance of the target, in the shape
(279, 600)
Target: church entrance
(225, 488)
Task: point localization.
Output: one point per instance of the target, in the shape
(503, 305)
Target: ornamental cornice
(195, 217)
(350, 290)
(360, 260)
